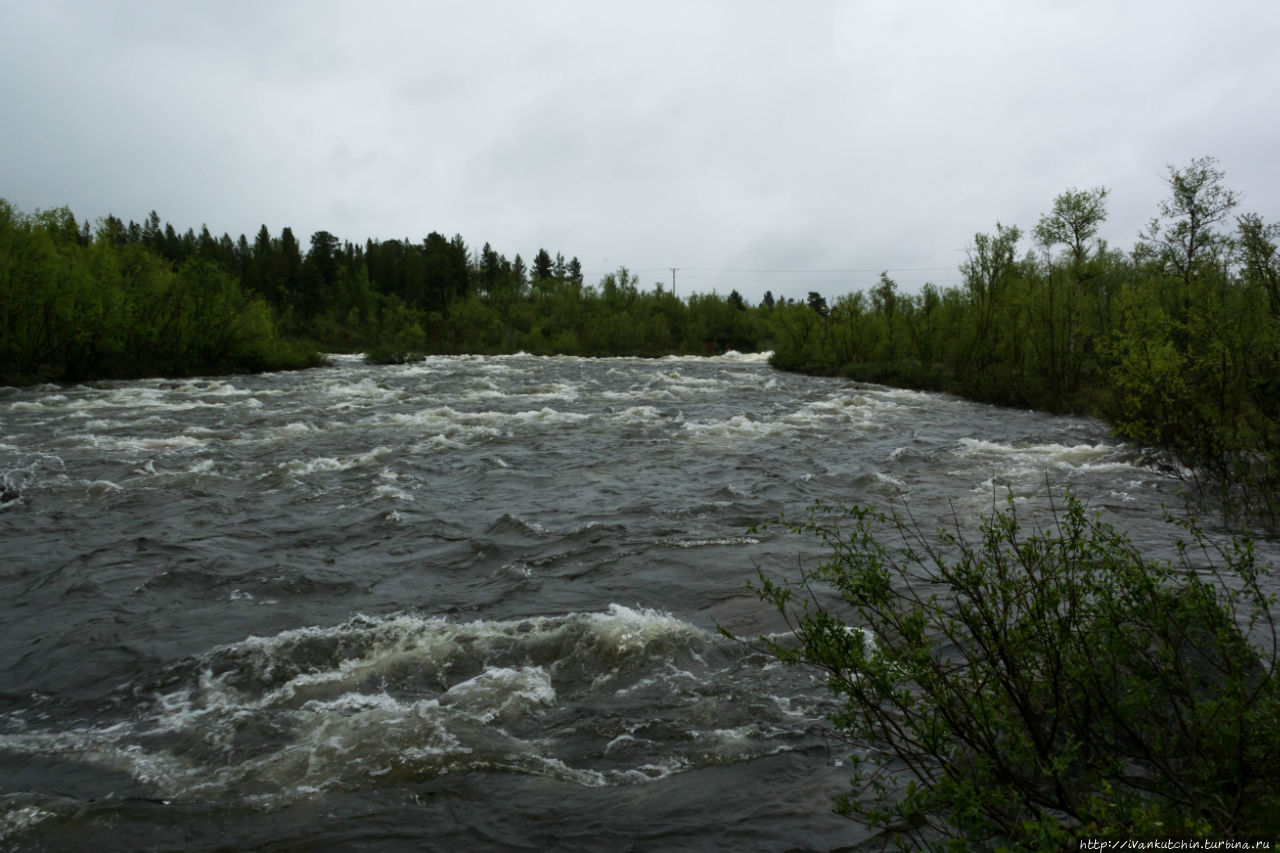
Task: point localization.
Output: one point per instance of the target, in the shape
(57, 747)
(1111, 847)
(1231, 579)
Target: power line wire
(823, 271)
(792, 271)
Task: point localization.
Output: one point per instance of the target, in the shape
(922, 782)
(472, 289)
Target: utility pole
(673, 279)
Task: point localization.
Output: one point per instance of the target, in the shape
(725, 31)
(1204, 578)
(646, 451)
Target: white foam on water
(908, 395)
(453, 428)
(482, 394)
(737, 428)
(974, 446)
(144, 398)
(212, 388)
(652, 772)
(391, 641)
(729, 356)
(859, 410)
(363, 389)
(638, 416)
(329, 464)
(294, 429)
(125, 444)
(745, 357)
(375, 700)
(549, 391)
(34, 405)
(439, 443)
(392, 492)
(98, 488)
(291, 431)
(628, 629)
(691, 384)
(503, 693)
(548, 416)
(1019, 460)
(786, 704)
(21, 819)
(702, 543)
(623, 739)
(518, 569)
(634, 395)
(35, 469)
(557, 769)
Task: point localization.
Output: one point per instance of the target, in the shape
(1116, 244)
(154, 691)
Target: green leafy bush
(1022, 691)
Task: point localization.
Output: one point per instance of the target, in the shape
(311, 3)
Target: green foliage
(1182, 239)
(141, 299)
(71, 309)
(1176, 346)
(1022, 691)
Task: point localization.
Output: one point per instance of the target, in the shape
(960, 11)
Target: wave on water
(329, 464)
(380, 699)
(746, 357)
(730, 356)
(1020, 458)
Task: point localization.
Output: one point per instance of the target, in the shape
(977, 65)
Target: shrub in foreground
(1022, 690)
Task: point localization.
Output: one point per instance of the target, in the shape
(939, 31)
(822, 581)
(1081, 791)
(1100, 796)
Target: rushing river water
(467, 603)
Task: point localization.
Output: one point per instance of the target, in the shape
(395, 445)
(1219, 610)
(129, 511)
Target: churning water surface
(466, 603)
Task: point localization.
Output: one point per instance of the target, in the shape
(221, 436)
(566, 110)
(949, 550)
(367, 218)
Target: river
(468, 603)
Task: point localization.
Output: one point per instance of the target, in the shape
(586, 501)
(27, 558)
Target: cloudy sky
(792, 147)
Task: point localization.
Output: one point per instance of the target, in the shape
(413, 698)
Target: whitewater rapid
(471, 601)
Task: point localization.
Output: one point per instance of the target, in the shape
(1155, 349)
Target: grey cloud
(714, 136)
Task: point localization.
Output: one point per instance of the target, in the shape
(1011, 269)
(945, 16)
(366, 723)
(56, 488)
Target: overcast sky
(792, 147)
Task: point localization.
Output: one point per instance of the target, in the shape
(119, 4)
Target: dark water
(463, 604)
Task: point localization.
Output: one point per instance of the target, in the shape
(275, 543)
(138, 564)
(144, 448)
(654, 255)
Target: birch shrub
(1023, 689)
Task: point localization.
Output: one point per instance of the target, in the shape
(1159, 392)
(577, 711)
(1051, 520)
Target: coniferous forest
(1175, 343)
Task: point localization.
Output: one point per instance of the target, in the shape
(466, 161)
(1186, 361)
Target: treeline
(402, 299)
(130, 299)
(76, 307)
(1175, 344)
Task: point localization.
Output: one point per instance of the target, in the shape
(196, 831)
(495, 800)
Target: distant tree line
(78, 306)
(130, 299)
(1175, 344)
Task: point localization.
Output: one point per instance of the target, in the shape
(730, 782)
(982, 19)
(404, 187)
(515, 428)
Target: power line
(806, 281)
(823, 271)
(792, 271)
(868, 270)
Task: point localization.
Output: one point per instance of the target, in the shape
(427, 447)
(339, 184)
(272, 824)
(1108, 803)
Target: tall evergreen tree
(541, 265)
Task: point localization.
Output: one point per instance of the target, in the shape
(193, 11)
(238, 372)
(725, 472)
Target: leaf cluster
(72, 307)
(1023, 690)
